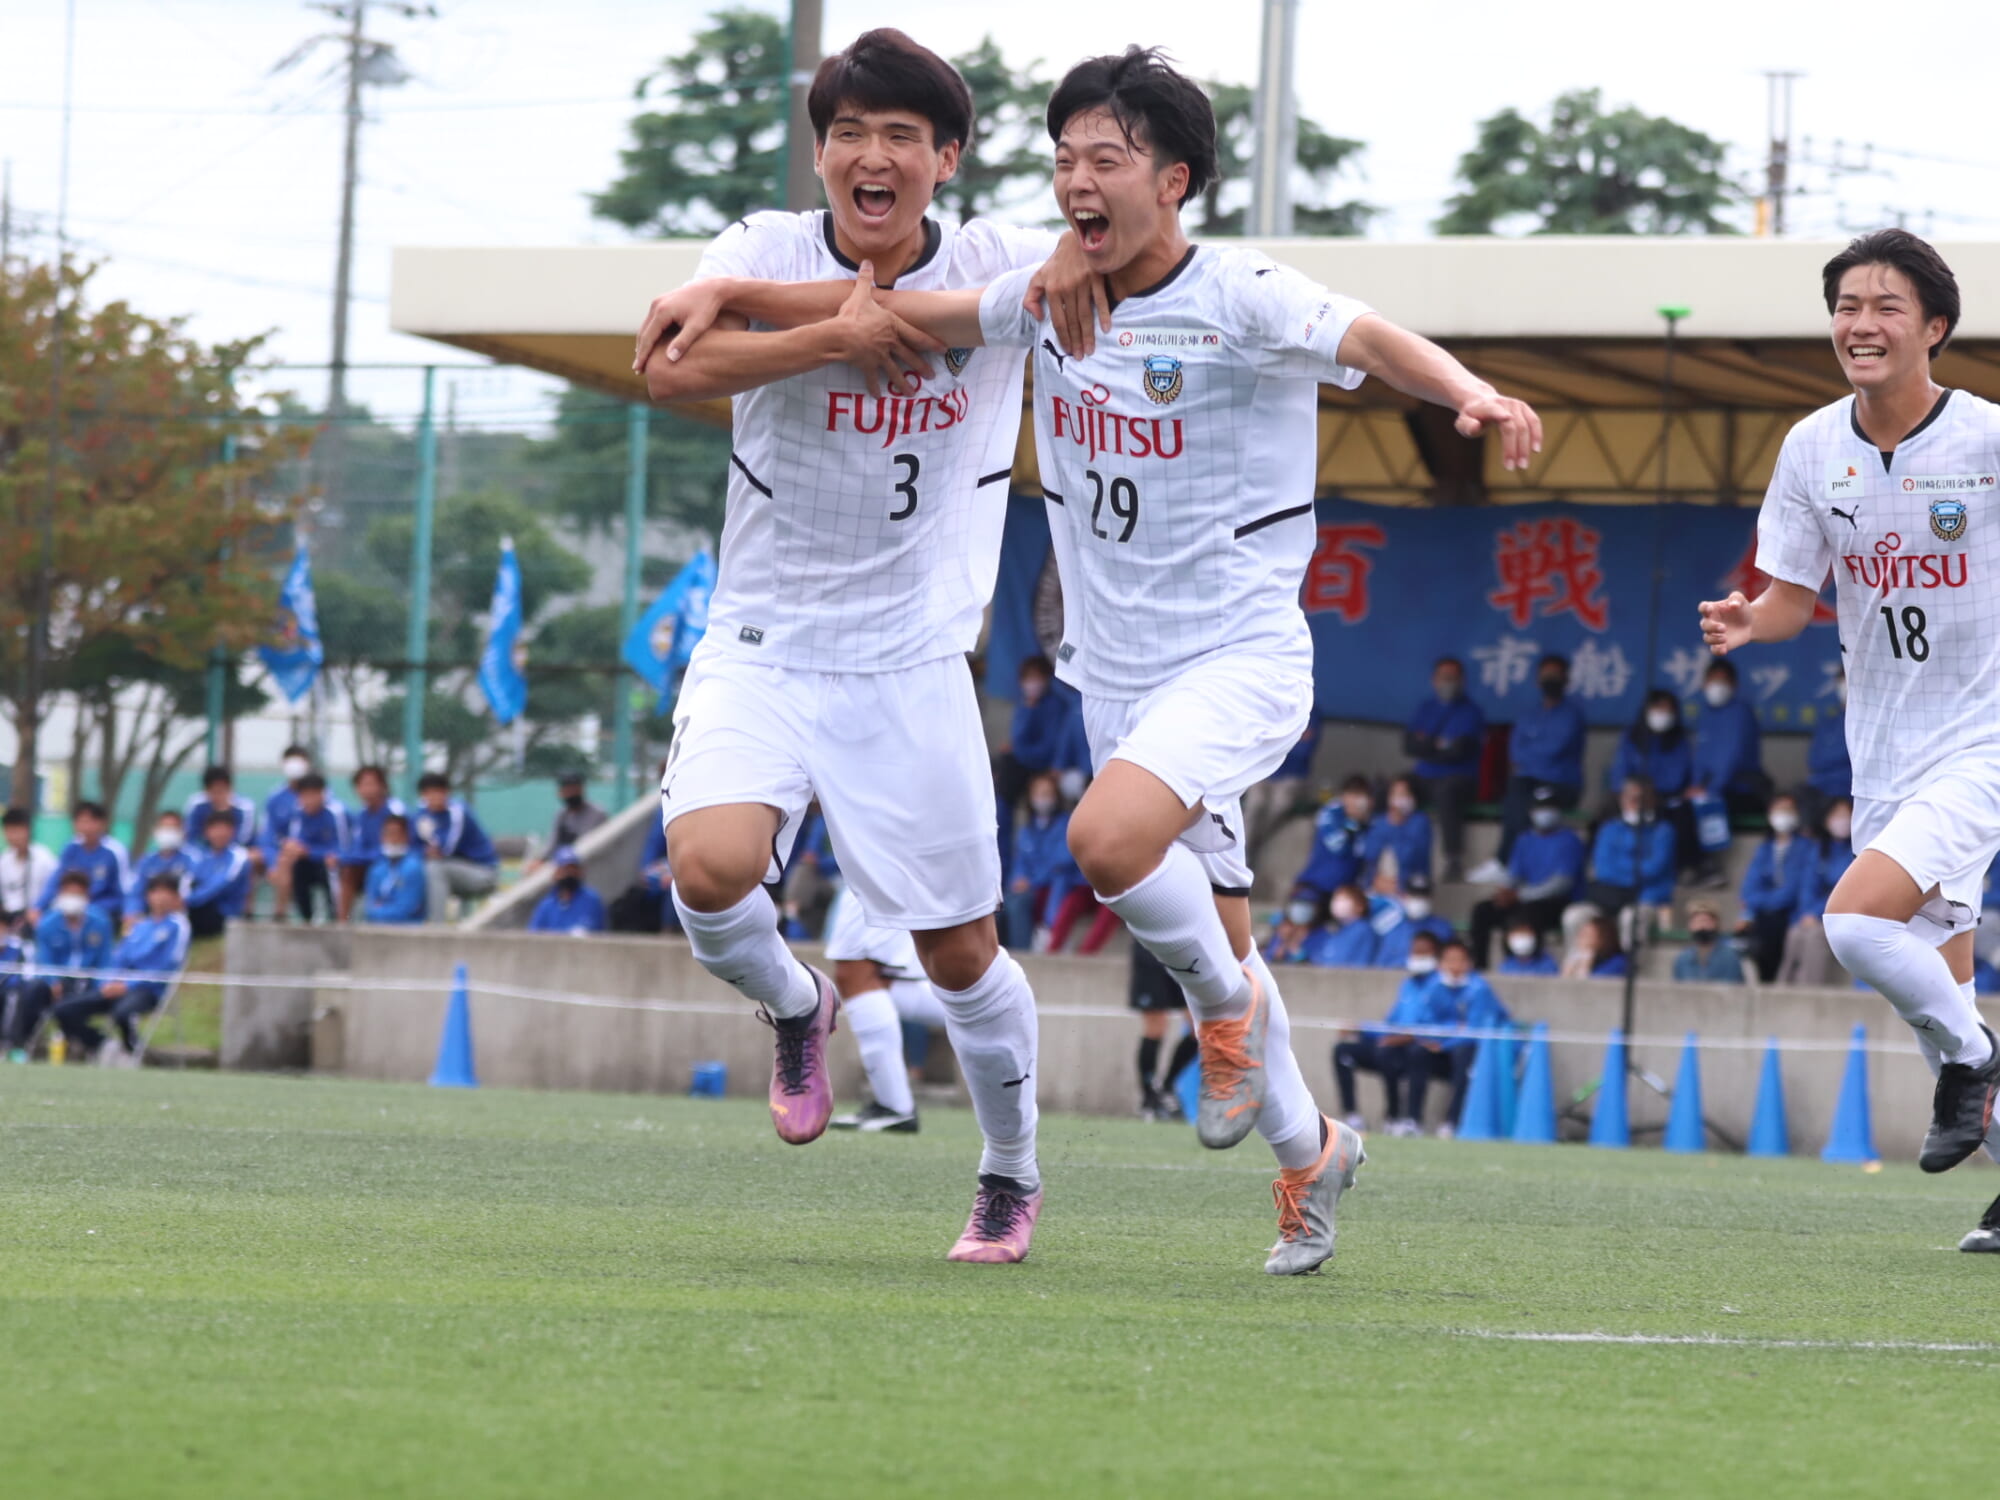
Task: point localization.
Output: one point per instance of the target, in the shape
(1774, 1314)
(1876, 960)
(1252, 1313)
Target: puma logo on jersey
(1055, 354)
(750, 635)
(1847, 515)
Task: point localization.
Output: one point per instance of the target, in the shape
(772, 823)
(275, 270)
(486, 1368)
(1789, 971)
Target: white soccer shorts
(849, 937)
(1944, 835)
(1210, 734)
(898, 761)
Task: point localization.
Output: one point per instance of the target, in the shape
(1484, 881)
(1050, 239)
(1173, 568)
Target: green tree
(1008, 159)
(1591, 172)
(1321, 157)
(583, 465)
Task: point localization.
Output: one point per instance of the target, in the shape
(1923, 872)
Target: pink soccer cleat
(801, 1091)
(1002, 1223)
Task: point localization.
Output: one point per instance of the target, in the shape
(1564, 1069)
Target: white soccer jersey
(863, 532)
(1914, 547)
(1179, 461)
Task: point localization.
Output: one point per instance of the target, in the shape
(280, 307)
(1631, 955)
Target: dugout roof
(1571, 323)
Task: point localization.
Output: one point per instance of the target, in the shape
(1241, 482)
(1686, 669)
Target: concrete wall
(268, 1027)
(1088, 1036)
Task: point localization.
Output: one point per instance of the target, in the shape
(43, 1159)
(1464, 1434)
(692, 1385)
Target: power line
(210, 112)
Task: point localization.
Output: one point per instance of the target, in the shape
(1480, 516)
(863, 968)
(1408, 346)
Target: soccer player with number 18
(1893, 490)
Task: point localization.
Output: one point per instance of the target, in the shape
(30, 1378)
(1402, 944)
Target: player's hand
(1726, 623)
(1075, 301)
(682, 317)
(1519, 428)
(882, 346)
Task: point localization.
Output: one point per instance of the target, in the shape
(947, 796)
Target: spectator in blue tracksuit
(1728, 748)
(297, 764)
(1402, 832)
(1544, 874)
(98, 856)
(1445, 739)
(1657, 749)
(1525, 953)
(1340, 840)
(1707, 959)
(1399, 915)
(302, 847)
(158, 945)
(1544, 750)
(1034, 738)
(1386, 1048)
(1632, 859)
(73, 934)
(1808, 959)
(218, 880)
(461, 861)
(168, 856)
(570, 906)
(1829, 769)
(398, 880)
(1281, 796)
(1781, 879)
(1293, 931)
(1465, 1001)
(1044, 870)
(1348, 939)
(218, 798)
(364, 832)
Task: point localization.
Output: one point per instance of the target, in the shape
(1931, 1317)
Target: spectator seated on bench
(218, 879)
(1398, 915)
(1293, 931)
(1707, 959)
(1348, 940)
(1386, 1049)
(570, 906)
(1544, 874)
(1462, 999)
(398, 889)
(157, 945)
(1525, 954)
(73, 934)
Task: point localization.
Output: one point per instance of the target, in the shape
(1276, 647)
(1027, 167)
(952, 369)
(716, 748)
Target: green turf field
(222, 1286)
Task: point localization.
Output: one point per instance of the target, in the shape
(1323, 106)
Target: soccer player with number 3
(1892, 489)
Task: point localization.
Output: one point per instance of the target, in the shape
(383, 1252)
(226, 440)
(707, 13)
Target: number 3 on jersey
(1124, 497)
(906, 486)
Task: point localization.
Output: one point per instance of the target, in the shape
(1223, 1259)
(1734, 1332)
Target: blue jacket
(1446, 739)
(1042, 858)
(158, 945)
(1540, 963)
(1037, 733)
(1614, 967)
(1547, 744)
(1270, 948)
(1338, 851)
(1723, 965)
(655, 853)
(242, 817)
(1615, 859)
(1416, 1005)
(1666, 761)
(1473, 1006)
(1395, 929)
(364, 832)
(1828, 768)
(1073, 746)
(59, 946)
(1349, 947)
(323, 833)
(220, 880)
(455, 833)
(1409, 841)
(280, 805)
(1728, 750)
(177, 864)
(1545, 865)
(583, 912)
(1778, 885)
(395, 890)
(1834, 858)
(1298, 762)
(109, 868)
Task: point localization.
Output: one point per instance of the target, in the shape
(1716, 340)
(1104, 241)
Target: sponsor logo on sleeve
(1947, 484)
(1842, 478)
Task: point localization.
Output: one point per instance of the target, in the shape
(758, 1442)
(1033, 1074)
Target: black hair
(91, 809)
(16, 817)
(1356, 784)
(1918, 260)
(1448, 661)
(433, 780)
(371, 769)
(1721, 666)
(1427, 937)
(166, 813)
(884, 70)
(1553, 659)
(312, 781)
(224, 824)
(73, 878)
(164, 882)
(291, 750)
(398, 819)
(1450, 943)
(1641, 730)
(216, 776)
(1156, 107)
(570, 778)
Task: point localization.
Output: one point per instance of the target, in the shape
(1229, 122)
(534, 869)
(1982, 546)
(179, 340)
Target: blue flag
(294, 663)
(665, 636)
(499, 673)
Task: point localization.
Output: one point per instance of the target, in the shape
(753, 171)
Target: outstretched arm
(1777, 614)
(1417, 367)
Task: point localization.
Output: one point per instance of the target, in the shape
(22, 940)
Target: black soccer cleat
(877, 1118)
(1986, 1238)
(1961, 1111)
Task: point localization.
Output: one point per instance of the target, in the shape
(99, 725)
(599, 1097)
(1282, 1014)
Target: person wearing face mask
(1780, 880)
(577, 816)
(279, 808)
(1656, 749)
(1543, 876)
(1402, 833)
(1631, 864)
(397, 890)
(574, 908)
(1281, 796)
(168, 856)
(1348, 940)
(1293, 932)
(1445, 739)
(72, 934)
(218, 880)
(1044, 872)
(1398, 913)
(99, 858)
(1829, 766)
(1544, 750)
(363, 845)
(1385, 1049)
(1465, 1002)
(1525, 954)
(1340, 840)
(1707, 959)
(157, 945)
(1728, 747)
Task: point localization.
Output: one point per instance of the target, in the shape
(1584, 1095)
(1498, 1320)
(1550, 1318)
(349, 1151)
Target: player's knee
(855, 976)
(957, 958)
(712, 878)
(1106, 854)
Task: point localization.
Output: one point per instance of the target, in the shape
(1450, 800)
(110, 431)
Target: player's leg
(857, 954)
(1152, 1032)
(280, 877)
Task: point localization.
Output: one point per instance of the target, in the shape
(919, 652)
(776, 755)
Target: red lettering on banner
(1551, 564)
(1337, 577)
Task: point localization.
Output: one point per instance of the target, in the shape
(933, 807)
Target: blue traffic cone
(1480, 1119)
(1853, 1136)
(1768, 1135)
(1507, 1049)
(1685, 1131)
(1187, 1088)
(1535, 1116)
(454, 1059)
(1611, 1122)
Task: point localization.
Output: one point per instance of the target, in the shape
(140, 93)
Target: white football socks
(917, 1002)
(993, 1031)
(741, 946)
(1172, 911)
(1289, 1121)
(1914, 977)
(878, 1032)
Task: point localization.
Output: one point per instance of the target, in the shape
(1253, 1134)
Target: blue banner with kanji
(1390, 589)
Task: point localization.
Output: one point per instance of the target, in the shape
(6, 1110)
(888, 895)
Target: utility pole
(343, 266)
(6, 210)
(1778, 153)
(801, 182)
(1276, 116)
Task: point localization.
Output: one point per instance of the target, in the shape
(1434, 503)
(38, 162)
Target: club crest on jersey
(1163, 379)
(1948, 519)
(955, 359)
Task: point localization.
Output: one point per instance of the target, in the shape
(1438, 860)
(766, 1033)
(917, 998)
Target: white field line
(1718, 1341)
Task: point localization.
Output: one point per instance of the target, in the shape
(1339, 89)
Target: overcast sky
(212, 187)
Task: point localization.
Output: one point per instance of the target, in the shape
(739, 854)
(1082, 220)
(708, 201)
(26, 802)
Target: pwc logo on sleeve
(1842, 478)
